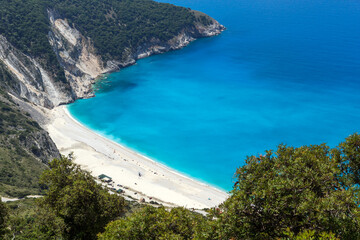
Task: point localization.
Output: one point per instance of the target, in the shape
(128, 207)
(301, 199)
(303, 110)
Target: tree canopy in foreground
(3, 217)
(296, 189)
(310, 192)
(158, 223)
(73, 195)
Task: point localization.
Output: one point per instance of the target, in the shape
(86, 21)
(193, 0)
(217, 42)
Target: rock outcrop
(40, 145)
(20, 131)
(187, 35)
(32, 83)
(76, 55)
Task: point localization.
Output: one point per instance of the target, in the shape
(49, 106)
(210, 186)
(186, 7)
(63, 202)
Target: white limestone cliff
(34, 83)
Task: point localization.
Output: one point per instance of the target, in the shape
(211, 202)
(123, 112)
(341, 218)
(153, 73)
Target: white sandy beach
(100, 155)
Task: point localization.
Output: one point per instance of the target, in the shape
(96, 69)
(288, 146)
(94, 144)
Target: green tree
(74, 196)
(4, 212)
(158, 223)
(348, 156)
(309, 235)
(29, 221)
(297, 189)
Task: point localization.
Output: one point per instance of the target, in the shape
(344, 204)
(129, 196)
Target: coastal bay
(120, 145)
(280, 73)
(142, 177)
(248, 133)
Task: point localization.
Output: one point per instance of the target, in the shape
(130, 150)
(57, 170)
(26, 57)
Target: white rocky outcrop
(76, 55)
(212, 29)
(34, 83)
(155, 46)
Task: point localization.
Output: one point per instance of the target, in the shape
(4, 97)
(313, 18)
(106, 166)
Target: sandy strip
(100, 155)
(5, 199)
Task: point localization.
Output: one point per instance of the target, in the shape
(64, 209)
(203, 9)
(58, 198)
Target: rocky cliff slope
(25, 148)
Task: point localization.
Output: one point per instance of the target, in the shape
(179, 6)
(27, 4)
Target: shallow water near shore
(283, 72)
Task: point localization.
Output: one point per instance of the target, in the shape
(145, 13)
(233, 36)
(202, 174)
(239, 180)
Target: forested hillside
(117, 25)
(25, 25)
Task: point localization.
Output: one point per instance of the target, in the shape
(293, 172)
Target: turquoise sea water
(284, 71)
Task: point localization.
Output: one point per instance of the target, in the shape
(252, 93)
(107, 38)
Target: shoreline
(142, 177)
(172, 170)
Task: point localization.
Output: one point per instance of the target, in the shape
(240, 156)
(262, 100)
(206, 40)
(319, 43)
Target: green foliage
(202, 18)
(28, 221)
(25, 24)
(158, 223)
(74, 196)
(19, 169)
(4, 212)
(309, 235)
(348, 156)
(115, 26)
(19, 172)
(295, 188)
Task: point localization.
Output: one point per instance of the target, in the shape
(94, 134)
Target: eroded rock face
(188, 35)
(18, 130)
(40, 145)
(76, 56)
(34, 83)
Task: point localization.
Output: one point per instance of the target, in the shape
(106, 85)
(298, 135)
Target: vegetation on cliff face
(4, 212)
(120, 27)
(310, 192)
(25, 147)
(25, 25)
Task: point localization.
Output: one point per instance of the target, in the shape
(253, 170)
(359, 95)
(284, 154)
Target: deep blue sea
(284, 71)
